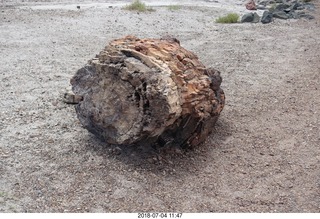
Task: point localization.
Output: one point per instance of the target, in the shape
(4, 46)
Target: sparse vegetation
(228, 19)
(137, 5)
(174, 7)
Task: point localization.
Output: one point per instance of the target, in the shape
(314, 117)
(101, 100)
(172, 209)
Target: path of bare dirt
(263, 155)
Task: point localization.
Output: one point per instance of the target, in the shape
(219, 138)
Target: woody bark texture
(148, 91)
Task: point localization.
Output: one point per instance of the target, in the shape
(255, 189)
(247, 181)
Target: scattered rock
(247, 18)
(263, 3)
(302, 14)
(309, 7)
(280, 14)
(281, 7)
(250, 18)
(293, 15)
(266, 17)
(261, 7)
(70, 98)
(307, 16)
(285, 9)
(256, 18)
(251, 5)
(295, 6)
(300, 7)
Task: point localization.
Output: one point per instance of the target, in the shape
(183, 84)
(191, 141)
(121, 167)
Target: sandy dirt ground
(263, 155)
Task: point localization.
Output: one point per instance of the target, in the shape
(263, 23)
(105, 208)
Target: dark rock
(287, 10)
(256, 18)
(266, 17)
(307, 16)
(247, 18)
(264, 2)
(293, 15)
(300, 7)
(309, 6)
(295, 6)
(281, 7)
(280, 15)
(78, 7)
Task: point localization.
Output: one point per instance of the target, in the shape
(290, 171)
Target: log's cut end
(148, 91)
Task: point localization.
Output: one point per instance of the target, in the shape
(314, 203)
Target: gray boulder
(309, 6)
(280, 14)
(263, 2)
(266, 17)
(256, 18)
(247, 18)
(300, 7)
(295, 6)
(281, 7)
(293, 15)
(307, 16)
(250, 18)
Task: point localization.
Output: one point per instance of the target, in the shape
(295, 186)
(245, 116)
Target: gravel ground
(263, 155)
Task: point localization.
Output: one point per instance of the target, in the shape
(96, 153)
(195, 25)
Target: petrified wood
(148, 91)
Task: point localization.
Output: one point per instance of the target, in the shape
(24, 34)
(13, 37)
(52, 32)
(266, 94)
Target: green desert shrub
(228, 19)
(137, 5)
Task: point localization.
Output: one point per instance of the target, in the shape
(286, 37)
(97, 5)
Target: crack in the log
(141, 57)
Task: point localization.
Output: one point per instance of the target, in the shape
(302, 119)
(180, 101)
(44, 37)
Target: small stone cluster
(280, 9)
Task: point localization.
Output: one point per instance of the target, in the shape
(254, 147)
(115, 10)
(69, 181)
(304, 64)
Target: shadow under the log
(159, 157)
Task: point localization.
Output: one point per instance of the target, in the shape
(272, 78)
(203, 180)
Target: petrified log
(148, 91)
